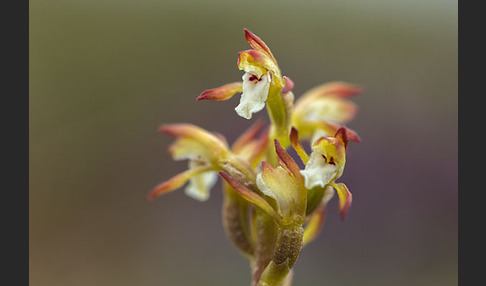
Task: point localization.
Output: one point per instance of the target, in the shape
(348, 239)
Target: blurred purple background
(105, 74)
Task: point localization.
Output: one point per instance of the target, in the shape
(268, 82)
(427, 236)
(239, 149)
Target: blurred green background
(105, 74)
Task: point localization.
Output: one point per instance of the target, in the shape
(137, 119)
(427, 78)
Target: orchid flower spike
(271, 206)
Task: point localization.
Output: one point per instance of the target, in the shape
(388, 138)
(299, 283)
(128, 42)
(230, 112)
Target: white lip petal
(200, 185)
(317, 172)
(255, 93)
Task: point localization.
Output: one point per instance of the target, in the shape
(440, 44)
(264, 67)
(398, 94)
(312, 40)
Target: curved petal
(338, 88)
(330, 108)
(289, 85)
(345, 199)
(177, 181)
(256, 62)
(342, 136)
(186, 130)
(258, 44)
(252, 197)
(195, 143)
(297, 145)
(278, 184)
(325, 108)
(221, 93)
(288, 162)
(313, 130)
(184, 148)
(333, 128)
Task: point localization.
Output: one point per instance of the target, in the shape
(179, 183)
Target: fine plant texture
(272, 207)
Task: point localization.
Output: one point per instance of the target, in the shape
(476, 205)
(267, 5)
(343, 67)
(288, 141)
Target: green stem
(288, 280)
(279, 108)
(266, 234)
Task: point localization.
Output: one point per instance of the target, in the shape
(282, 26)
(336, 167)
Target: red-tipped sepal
(256, 62)
(177, 181)
(287, 161)
(257, 43)
(251, 196)
(332, 128)
(341, 89)
(345, 199)
(221, 93)
(342, 136)
(289, 85)
(279, 184)
(297, 145)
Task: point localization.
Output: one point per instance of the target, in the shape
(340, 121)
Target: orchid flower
(203, 150)
(322, 110)
(325, 165)
(322, 168)
(207, 154)
(262, 85)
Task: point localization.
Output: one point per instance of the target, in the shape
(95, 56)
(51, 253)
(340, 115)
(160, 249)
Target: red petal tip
(344, 211)
(221, 93)
(294, 134)
(167, 129)
(257, 43)
(157, 191)
(265, 165)
(202, 96)
(344, 89)
(289, 85)
(151, 197)
(342, 135)
(353, 136)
